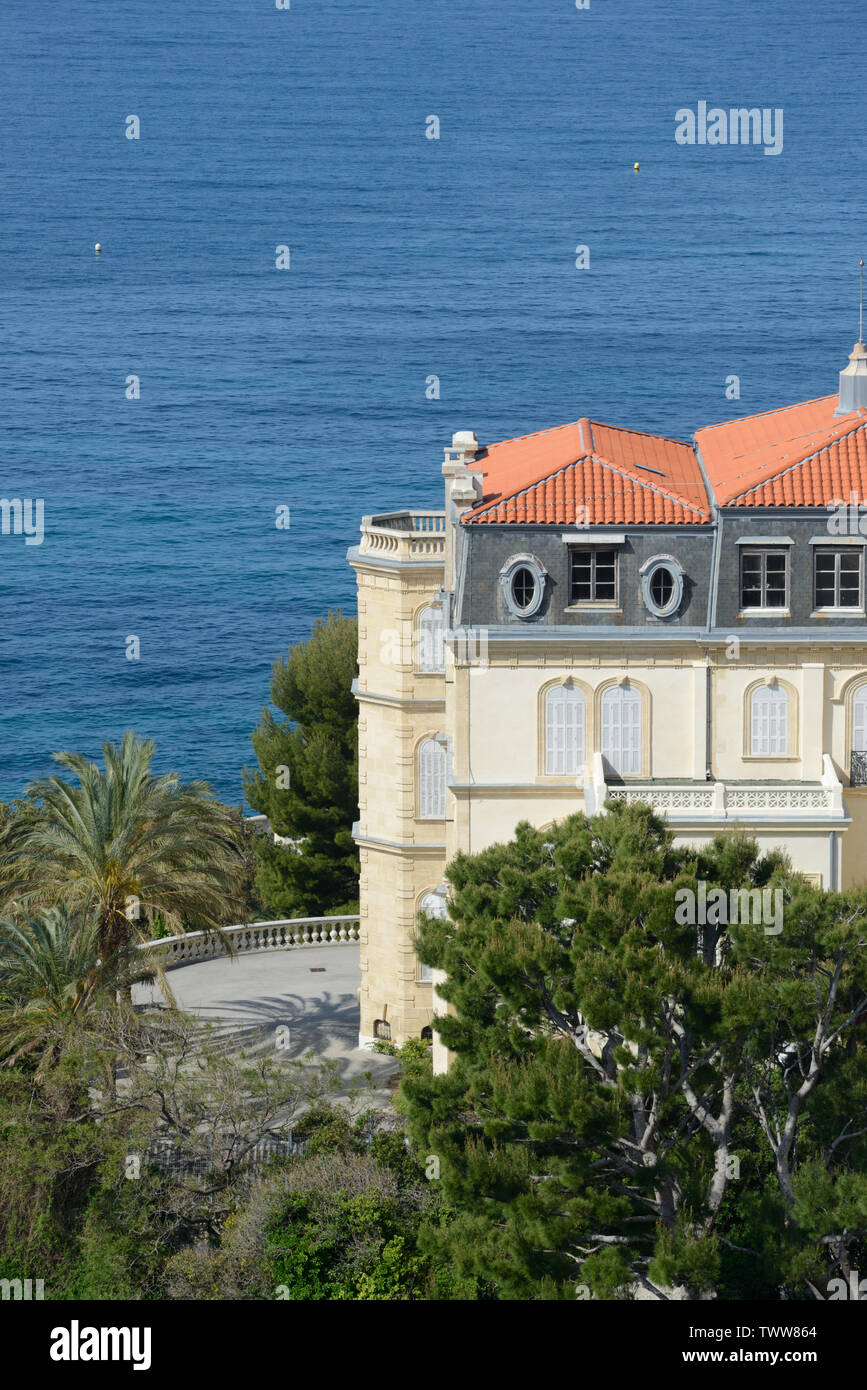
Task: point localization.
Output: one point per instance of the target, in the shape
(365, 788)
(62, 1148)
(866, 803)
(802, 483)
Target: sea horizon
(411, 259)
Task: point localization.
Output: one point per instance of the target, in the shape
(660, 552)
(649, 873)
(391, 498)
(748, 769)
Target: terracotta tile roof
(801, 456)
(619, 476)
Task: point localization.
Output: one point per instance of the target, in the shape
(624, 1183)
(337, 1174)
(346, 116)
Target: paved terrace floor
(312, 990)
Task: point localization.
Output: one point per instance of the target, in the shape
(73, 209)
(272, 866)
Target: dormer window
(523, 588)
(764, 579)
(661, 586)
(593, 575)
(838, 578)
(522, 581)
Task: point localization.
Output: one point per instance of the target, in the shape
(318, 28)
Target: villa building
(601, 613)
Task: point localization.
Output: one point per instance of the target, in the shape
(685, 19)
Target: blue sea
(409, 257)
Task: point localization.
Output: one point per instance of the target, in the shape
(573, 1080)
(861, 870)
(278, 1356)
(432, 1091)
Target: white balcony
(413, 536)
(725, 801)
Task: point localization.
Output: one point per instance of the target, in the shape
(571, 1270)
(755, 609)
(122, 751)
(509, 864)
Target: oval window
(662, 587)
(523, 587)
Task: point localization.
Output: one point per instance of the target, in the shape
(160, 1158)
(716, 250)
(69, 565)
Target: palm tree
(54, 984)
(123, 846)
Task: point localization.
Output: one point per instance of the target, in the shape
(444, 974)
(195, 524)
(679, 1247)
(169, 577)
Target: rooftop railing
(404, 535)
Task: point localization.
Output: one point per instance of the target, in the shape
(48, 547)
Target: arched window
(431, 656)
(432, 905)
(621, 729)
(859, 720)
(431, 780)
(564, 730)
(858, 769)
(769, 722)
(381, 1029)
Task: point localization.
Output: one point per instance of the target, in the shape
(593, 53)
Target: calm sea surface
(410, 258)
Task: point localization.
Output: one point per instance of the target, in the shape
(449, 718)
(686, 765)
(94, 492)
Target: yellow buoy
(636, 166)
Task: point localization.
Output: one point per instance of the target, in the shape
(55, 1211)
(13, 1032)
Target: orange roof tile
(619, 476)
(802, 455)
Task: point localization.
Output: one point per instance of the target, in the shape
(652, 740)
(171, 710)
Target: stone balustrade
(404, 535)
(281, 935)
(725, 800)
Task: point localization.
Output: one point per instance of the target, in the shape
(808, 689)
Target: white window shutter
(859, 720)
(769, 722)
(564, 730)
(431, 653)
(759, 725)
(432, 780)
(631, 723)
(621, 729)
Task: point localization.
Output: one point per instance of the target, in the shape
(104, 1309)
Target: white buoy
(97, 248)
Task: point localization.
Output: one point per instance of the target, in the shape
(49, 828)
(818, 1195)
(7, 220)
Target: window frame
(640, 701)
(859, 684)
(772, 695)
(582, 551)
(793, 716)
(440, 898)
(857, 731)
(527, 606)
(648, 573)
(506, 578)
(578, 697)
(438, 741)
(764, 552)
(838, 552)
(421, 627)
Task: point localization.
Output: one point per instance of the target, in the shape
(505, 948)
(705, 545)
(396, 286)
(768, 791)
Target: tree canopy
(306, 782)
(639, 1106)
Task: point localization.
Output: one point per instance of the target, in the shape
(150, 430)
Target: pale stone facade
(400, 571)
(479, 722)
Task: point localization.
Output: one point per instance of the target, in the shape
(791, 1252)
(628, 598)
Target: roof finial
(853, 379)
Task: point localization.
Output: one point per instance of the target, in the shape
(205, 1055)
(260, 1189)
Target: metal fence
(858, 769)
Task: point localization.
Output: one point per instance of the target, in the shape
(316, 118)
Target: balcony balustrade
(404, 535)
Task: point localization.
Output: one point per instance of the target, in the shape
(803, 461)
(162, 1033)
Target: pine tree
(307, 778)
(639, 1105)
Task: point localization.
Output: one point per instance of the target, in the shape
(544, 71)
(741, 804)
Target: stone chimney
(464, 489)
